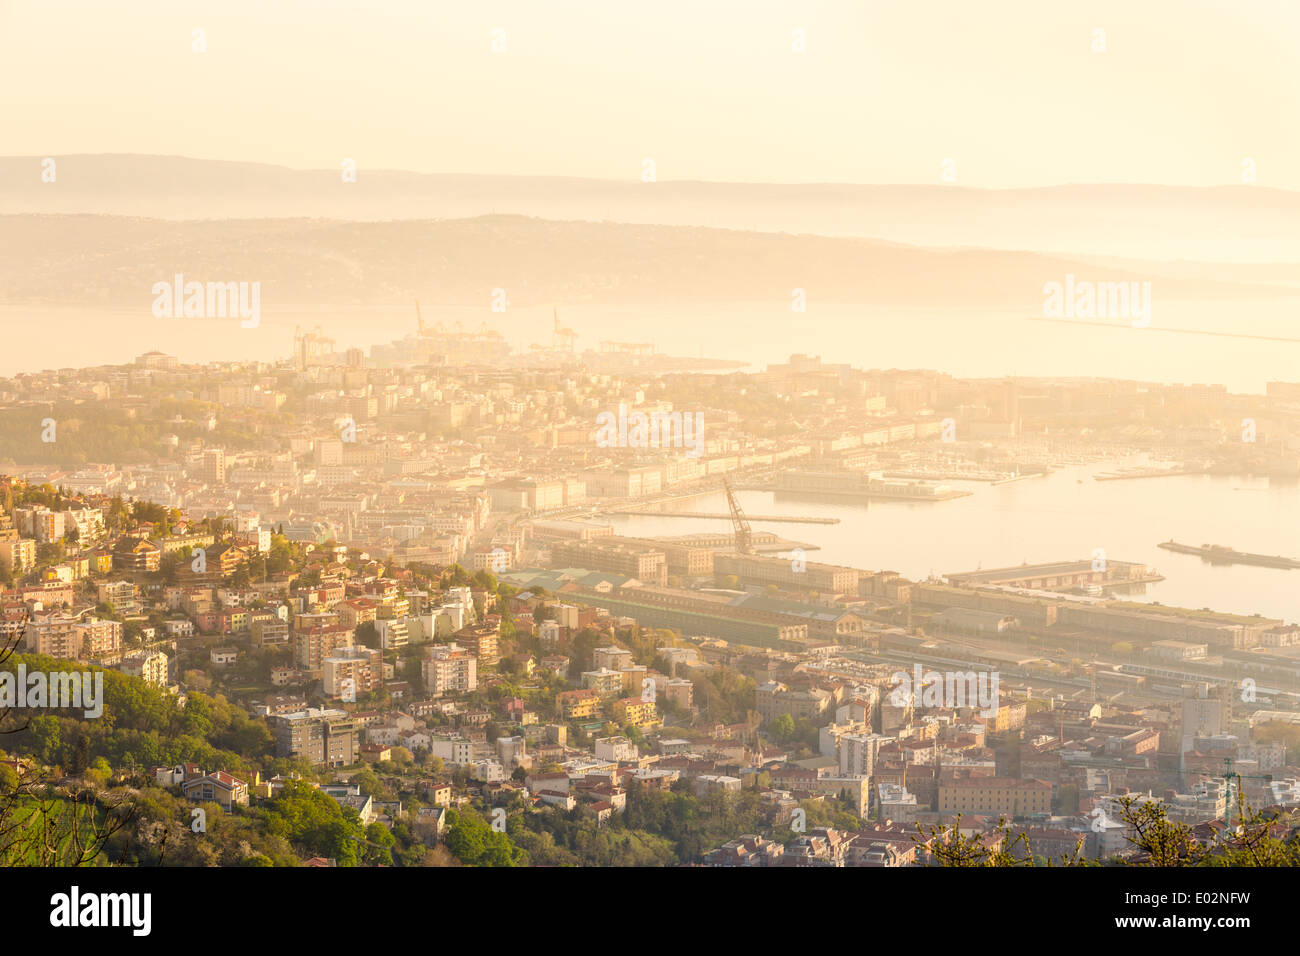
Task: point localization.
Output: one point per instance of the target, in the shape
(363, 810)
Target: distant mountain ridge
(113, 262)
(1252, 223)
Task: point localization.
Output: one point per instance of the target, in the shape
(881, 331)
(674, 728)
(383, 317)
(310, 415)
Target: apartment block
(354, 671)
(635, 711)
(449, 669)
(607, 683)
(54, 636)
(313, 644)
(612, 658)
(18, 554)
(150, 666)
(456, 751)
(324, 737)
(481, 640)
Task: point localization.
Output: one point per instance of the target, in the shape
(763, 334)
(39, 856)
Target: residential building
(150, 666)
(449, 669)
(328, 737)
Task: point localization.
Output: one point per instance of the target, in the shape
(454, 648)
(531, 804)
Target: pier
(1131, 473)
(719, 516)
(992, 477)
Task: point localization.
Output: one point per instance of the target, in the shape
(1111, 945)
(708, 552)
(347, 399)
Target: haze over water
(961, 343)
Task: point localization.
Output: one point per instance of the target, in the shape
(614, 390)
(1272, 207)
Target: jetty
(720, 516)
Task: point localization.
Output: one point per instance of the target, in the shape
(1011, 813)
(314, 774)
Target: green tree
(781, 728)
(475, 843)
(379, 845)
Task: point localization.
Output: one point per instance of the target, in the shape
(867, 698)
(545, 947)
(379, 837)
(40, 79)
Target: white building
(615, 748)
(858, 754)
(449, 669)
(456, 751)
(488, 769)
(393, 633)
(150, 666)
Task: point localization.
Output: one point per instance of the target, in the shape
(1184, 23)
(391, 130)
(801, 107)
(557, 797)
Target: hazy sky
(1011, 90)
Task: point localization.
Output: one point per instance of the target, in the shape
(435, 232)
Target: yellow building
(636, 712)
(1010, 717)
(578, 704)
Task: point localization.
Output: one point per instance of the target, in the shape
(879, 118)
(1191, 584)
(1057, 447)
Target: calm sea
(1064, 516)
(965, 344)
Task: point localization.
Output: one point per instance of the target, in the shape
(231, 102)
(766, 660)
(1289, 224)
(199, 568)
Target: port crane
(431, 330)
(744, 537)
(562, 338)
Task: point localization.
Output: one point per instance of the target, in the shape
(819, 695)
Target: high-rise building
(1205, 713)
(361, 666)
(481, 640)
(449, 668)
(858, 754)
(313, 644)
(214, 466)
(41, 523)
(18, 554)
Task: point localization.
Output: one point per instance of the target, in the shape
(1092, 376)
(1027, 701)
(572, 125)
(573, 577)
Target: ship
(855, 484)
(1222, 554)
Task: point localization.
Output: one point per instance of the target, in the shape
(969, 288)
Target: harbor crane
(426, 330)
(562, 338)
(744, 537)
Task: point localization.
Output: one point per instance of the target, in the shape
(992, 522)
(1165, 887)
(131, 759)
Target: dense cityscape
(386, 609)
(449, 446)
